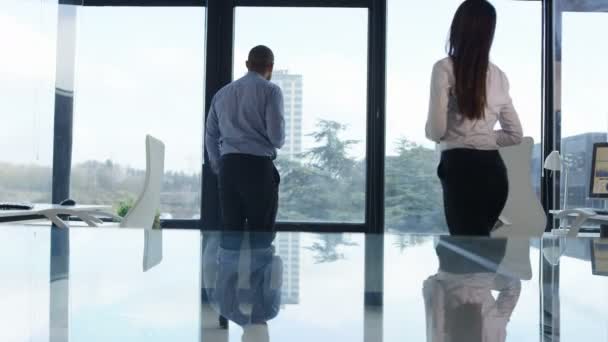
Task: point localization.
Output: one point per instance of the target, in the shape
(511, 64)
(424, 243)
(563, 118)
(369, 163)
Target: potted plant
(126, 205)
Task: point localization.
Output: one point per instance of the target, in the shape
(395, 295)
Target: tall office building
(288, 248)
(291, 85)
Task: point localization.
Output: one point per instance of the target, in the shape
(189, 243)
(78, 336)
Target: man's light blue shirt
(246, 116)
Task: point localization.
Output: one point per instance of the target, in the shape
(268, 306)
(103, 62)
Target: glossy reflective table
(183, 285)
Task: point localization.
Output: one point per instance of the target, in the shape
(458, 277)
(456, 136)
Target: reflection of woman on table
(458, 299)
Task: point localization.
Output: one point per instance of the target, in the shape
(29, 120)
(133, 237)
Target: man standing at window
(245, 126)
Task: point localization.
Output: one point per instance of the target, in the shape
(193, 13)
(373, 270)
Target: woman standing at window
(469, 95)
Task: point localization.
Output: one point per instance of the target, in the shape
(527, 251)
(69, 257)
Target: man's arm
(275, 120)
(212, 138)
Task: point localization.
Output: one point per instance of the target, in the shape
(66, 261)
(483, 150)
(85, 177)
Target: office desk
(600, 220)
(88, 285)
(34, 213)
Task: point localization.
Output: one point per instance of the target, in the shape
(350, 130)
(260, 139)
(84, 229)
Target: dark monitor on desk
(598, 182)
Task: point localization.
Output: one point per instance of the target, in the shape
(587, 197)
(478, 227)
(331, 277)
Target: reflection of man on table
(243, 279)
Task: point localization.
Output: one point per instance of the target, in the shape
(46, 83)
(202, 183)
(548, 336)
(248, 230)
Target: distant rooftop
(284, 72)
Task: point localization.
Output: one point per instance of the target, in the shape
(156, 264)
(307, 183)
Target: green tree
(331, 154)
(412, 190)
(303, 193)
(326, 248)
(326, 184)
(403, 241)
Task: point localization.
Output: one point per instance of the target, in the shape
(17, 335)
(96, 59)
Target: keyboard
(16, 206)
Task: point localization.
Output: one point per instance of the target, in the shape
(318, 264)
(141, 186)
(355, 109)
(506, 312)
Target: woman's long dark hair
(471, 36)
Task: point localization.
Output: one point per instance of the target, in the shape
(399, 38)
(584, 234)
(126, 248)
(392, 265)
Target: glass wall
(142, 74)
(417, 36)
(27, 85)
(580, 87)
(322, 70)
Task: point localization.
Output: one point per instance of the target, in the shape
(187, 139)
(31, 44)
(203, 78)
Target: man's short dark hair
(260, 57)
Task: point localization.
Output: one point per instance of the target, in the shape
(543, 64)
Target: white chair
(142, 214)
(582, 215)
(523, 216)
(523, 213)
(87, 216)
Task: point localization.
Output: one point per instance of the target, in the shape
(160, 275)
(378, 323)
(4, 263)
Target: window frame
(552, 89)
(219, 44)
(219, 73)
(145, 3)
(64, 95)
(219, 54)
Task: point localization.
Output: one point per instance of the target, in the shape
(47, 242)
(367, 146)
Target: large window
(322, 70)
(144, 74)
(27, 85)
(417, 35)
(138, 71)
(580, 80)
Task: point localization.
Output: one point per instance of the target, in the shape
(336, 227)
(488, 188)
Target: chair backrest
(523, 210)
(144, 210)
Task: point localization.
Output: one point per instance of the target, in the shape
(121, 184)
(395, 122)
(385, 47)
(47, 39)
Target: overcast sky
(141, 70)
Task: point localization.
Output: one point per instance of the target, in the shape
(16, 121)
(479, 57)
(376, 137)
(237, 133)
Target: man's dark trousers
(249, 192)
